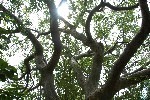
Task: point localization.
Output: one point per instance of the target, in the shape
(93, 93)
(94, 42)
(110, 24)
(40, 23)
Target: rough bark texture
(109, 89)
(47, 72)
(115, 82)
(48, 86)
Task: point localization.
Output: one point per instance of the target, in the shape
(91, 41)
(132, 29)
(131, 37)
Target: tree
(109, 54)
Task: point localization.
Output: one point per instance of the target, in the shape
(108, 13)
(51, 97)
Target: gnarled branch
(87, 25)
(76, 35)
(55, 35)
(121, 8)
(79, 74)
(94, 76)
(27, 32)
(133, 79)
(129, 51)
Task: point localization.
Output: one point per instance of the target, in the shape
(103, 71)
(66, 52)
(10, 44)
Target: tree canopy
(99, 49)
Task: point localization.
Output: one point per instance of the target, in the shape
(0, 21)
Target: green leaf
(2, 77)
(3, 31)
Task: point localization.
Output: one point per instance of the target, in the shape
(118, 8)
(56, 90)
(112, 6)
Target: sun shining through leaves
(63, 10)
(113, 63)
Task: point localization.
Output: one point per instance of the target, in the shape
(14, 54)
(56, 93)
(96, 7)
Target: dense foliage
(97, 48)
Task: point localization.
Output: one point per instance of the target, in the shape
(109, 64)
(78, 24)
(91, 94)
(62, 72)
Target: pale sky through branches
(63, 10)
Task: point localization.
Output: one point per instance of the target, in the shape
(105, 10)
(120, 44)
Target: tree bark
(48, 85)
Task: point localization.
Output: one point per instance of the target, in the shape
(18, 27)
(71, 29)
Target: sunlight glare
(63, 10)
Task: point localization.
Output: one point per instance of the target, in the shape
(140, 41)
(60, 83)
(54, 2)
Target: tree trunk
(48, 85)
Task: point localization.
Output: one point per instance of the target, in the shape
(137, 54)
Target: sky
(17, 57)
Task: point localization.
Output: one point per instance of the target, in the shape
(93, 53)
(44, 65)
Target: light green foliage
(107, 26)
(6, 71)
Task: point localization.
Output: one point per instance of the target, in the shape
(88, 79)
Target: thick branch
(79, 73)
(27, 65)
(36, 43)
(122, 83)
(27, 60)
(76, 35)
(101, 5)
(121, 8)
(92, 82)
(92, 44)
(139, 69)
(67, 23)
(18, 21)
(38, 47)
(73, 31)
(87, 25)
(55, 35)
(129, 51)
(133, 79)
(4, 31)
(21, 27)
(28, 70)
(96, 68)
